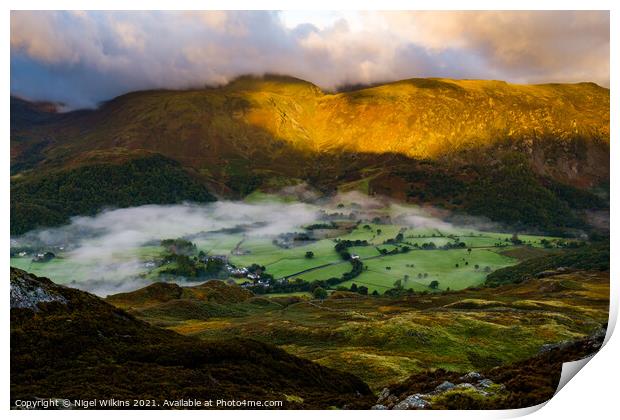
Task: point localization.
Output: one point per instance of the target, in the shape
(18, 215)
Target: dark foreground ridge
(72, 345)
(68, 344)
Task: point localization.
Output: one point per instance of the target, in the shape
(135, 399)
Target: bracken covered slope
(69, 344)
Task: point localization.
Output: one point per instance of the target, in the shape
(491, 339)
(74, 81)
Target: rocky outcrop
(594, 341)
(28, 292)
(524, 383)
(472, 382)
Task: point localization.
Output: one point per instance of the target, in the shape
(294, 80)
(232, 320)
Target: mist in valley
(106, 253)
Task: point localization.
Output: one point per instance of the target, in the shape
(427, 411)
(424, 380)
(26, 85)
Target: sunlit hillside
(420, 118)
(447, 142)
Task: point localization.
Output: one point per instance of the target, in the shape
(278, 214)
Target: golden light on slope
(428, 117)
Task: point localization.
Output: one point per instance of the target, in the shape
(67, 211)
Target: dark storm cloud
(81, 58)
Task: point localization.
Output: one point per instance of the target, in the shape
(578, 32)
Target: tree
(353, 287)
(515, 239)
(476, 266)
(398, 284)
(309, 254)
(433, 284)
(319, 293)
(362, 290)
(469, 250)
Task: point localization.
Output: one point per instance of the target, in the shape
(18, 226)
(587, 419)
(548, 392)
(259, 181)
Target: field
(417, 269)
(281, 262)
(421, 254)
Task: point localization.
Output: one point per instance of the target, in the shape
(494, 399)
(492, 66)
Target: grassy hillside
(594, 257)
(523, 384)
(449, 142)
(418, 118)
(69, 344)
(385, 339)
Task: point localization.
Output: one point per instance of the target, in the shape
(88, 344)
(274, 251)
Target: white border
(592, 395)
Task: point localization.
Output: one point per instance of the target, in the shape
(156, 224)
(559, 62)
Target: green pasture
(439, 265)
(285, 261)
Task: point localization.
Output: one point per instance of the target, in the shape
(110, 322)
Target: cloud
(81, 58)
(525, 46)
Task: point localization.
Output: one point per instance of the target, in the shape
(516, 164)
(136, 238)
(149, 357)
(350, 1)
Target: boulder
(444, 386)
(485, 383)
(383, 395)
(412, 402)
(471, 376)
(391, 400)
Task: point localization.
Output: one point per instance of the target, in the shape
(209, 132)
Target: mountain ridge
(270, 132)
(411, 111)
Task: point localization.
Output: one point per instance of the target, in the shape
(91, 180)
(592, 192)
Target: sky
(82, 58)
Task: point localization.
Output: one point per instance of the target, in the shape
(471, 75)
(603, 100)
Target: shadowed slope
(75, 346)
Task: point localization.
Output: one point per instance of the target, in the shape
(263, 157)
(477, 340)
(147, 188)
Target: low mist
(102, 249)
(106, 253)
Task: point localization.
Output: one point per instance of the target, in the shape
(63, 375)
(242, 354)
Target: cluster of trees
(323, 215)
(315, 226)
(356, 269)
(51, 199)
(398, 250)
(507, 190)
(180, 246)
(454, 245)
(591, 257)
(431, 246)
(562, 244)
(191, 266)
(181, 255)
(362, 290)
(395, 240)
(342, 246)
(296, 285)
